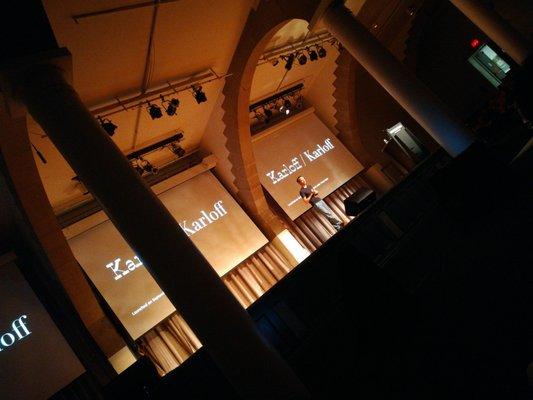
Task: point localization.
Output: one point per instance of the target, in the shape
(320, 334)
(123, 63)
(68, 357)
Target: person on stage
(310, 196)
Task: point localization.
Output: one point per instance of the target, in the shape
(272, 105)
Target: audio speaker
(358, 201)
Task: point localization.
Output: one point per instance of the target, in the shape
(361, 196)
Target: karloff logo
(18, 331)
(307, 157)
(121, 269)
(206, 218)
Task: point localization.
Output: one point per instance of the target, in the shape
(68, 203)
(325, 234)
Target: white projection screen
(303, 146)
(215, 223)
(35, 359)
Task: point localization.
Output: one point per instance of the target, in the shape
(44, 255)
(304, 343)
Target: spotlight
(312, 54)
(177, 150)
(108, 126)
(148, 167)
(302, 59)
(138, 168)
(322, 52)
(260, 117)
(172, 107)
(199, 94)
(274, 61)
(286, 107)
(268, 114)
(289, 60)
(154, 111)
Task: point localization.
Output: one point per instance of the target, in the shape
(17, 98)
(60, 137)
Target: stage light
(302, 59)
(312, 54)
(177, 150)
(148, 167)
(172, 107)
(268, 114)
(286, 107)
(274, 61)
(108, 126)
(138, 168)
(289, 60)
(199, 94)
(154, 111)
(322, 52)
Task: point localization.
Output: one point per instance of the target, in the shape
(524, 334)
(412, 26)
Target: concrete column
(496, 28)
(406, 89)
(222, 325)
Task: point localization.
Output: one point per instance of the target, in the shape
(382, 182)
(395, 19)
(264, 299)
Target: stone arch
(263, 22)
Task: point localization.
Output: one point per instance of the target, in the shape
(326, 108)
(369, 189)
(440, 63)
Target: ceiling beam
(114, 10)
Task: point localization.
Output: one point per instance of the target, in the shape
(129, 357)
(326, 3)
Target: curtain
(171, 342)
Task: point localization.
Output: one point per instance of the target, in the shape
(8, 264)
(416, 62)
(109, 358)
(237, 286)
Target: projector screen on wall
(302, 146)
(35, 359)
(211, 218)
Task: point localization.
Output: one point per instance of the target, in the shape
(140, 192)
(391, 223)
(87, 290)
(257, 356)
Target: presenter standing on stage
(310, 196)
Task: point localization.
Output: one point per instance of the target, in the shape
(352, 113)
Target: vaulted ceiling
(111, 60)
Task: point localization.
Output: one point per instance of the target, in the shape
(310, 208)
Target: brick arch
(263, 22)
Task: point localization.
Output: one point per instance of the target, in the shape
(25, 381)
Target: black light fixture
(289, 60)
(108, 126)
(260, 117)
(302, 59)
(177, 150)
(312, 54)
(274, 61)
(268, 114)
(148, 167)
(286, 107)
(138, 168)
(154, 111)
(199, 94)
(321, 52)
(171, 106)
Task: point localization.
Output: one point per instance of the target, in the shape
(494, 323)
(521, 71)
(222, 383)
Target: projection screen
(211, 218)
(35, 359)
(303, 146)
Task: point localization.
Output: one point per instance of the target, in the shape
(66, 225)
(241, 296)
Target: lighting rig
(141, 164)
(168, 105)
(280, 104)
(304, 52)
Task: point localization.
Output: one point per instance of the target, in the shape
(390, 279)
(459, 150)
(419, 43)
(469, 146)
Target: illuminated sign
(301, 146)
(35, 359)
(307, 156)
(209, 216)
(19, 330)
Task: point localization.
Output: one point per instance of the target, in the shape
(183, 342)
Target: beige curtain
(172, 341)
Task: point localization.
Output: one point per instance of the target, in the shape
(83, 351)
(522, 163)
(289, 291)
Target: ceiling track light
(148, 167)
(313, 56)
(289, 60)
(107, 125)
(177, 150)
(286, 107)
(199, 94)
(154, 111)
(321, 52)
(138, 168)
(268, 114)
(302, 59)
(170, 106)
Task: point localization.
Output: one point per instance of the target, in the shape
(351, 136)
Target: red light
(474, 43)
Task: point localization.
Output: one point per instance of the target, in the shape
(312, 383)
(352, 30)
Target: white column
(405, 88)
(496, 28)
